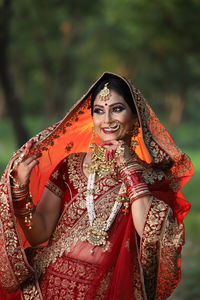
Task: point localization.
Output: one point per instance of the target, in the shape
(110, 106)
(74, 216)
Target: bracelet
(23, 204)
(127, 169)
(123, 198)
(25, 209)
(136, 187)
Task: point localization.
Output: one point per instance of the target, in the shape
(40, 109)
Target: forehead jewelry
(105, 93)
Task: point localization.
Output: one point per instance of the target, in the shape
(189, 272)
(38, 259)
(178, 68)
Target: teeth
(113, 127)
(110, 129)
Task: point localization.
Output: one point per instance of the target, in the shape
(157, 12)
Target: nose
(107, 117)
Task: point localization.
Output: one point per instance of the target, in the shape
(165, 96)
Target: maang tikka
(105, 93)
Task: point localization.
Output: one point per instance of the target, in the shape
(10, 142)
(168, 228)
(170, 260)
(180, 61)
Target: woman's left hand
(117, 149)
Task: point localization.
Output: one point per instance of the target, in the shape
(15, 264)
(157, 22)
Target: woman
(112, 216)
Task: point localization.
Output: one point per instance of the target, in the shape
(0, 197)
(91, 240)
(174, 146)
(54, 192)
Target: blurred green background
(52, 51)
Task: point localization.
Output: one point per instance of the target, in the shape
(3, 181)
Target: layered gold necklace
(99, 164)
(97, 231)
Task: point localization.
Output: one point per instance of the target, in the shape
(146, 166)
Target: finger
(33, 164)
(29, 144)
(106, 155)
(108, 152)
(113, 154)
(28, 147)
(30, 159)
(23, 154)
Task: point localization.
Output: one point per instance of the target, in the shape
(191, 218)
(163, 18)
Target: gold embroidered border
(169, 263)
(150, 244)
(54, 188)
(30, 290)
(14, 268)
(158, 141)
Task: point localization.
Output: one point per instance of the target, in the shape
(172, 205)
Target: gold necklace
(96, 233)
(99, 164)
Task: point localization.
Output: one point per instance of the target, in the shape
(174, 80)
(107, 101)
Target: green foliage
(59, 47)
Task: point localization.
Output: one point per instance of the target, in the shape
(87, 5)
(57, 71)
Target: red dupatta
(73, 134)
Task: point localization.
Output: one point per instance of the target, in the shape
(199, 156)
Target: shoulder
(75, 156)
(71, 157)
(74, 160)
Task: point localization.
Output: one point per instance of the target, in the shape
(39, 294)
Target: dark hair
(119, 85)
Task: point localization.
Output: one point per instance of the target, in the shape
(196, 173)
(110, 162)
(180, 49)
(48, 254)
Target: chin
(111, 138)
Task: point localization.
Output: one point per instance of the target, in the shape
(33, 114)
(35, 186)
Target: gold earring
(92, 143)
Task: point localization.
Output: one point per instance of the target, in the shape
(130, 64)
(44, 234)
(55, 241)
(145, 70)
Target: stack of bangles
(135, 186)
(22, 203)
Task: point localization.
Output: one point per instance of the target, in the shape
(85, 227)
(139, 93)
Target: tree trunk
(13, 105)
(174, 104)
(2, 104)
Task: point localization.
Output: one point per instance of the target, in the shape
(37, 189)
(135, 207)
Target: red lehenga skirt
(68, 279)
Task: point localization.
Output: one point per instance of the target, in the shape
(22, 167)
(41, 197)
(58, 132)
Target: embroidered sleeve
(159, 251)
(150, 175)
(56, 182)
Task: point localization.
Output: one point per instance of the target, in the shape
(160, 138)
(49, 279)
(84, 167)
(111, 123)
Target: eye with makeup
(115, 109)
(98, 111)
(118, 108)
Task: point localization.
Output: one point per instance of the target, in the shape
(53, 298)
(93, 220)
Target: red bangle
(136, 187)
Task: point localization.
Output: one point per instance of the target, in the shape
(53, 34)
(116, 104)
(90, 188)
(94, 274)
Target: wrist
(135, 186)
(22, 203)
(16, 180)
(129, 168)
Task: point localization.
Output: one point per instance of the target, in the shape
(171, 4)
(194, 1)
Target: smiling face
(113, 119)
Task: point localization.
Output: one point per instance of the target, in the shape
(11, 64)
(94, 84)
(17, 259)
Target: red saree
(129, 269)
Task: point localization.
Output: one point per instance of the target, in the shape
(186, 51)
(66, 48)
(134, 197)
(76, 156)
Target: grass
(187, 138)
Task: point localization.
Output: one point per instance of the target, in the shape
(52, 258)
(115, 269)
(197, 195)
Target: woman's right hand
(23, 167)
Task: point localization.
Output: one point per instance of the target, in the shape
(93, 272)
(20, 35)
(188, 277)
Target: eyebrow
(102, 106)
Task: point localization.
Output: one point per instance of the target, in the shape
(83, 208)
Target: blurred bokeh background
(52, 51)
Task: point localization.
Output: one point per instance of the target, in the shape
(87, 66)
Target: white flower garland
(91, 208)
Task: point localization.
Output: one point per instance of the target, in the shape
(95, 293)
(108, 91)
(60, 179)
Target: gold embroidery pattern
(7, 279)
(155, 150)
(150, 244)
(169, 267)
(54, 132)
(158, 142)
(71, 229)
(151, 175)
(68, 279)
(54, 189)
(100, 294)
(74, 221)
(55, 174)
(74, 165)
(139, 290)
(30, 290)
(13, 266)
